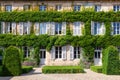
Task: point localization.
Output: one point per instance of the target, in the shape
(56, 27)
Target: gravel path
(37, 75)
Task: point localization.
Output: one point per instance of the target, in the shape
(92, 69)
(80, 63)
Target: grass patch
(26, 69)
(62, 69)
(97, 69)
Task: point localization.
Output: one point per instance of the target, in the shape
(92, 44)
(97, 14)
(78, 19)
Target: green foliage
(62, 69)
(37, 57)
(0, 70)
(12, 62)
(26, 69)
(97, 69)
(111, 62)
(1, 55)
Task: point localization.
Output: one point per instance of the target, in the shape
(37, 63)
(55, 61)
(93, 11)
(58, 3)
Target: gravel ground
(37, 75)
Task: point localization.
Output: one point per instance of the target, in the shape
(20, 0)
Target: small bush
(26, 69)
(62, 69)
(11, 62)
(111, 61)
(97, 69)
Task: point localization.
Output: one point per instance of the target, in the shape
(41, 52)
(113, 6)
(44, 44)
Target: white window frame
(116, 8)
(8, 8)
(42, 52)
(58, 54)
(96, 52)
(58, 7)
(26, 9)
(42, 7)
(43, 26)
(100, 28)
(77, 29)
(78, 52)
(59, 28)
(77, 7)
(8, 28)
(97, 8)
(27, 54)
(115, 28)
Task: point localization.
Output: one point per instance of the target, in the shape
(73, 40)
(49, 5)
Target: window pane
(26, 7)
(98, 54)
(8, 8)
(95, 54)
(42, 8)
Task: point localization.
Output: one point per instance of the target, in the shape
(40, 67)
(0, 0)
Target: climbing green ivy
(88, 42)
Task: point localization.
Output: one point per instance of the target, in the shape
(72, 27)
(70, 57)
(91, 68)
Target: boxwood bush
(97, 69)
(11, 62)
(62, 69)
(26, 69)
(111, 62)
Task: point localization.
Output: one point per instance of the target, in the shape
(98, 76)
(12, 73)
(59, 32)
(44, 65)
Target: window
(116, 28)
(42, 52)
(8, 28)
(26, 51)
(26, 7)
(97, 53)
(42, 7)
(76, 7)
(97, 8)
(58, 28)
(0, 28)
(58, 7)
(25, 28)
(43, 28)
(76, 28)
(8, 8)
(76, 52)
(97, 28)
(116, 8)
(58, 52)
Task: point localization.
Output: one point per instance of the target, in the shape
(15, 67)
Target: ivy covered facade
(62, 35)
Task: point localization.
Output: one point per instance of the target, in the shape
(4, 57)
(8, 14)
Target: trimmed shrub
(12, 62)
(1, 55)
(26, 69)
(111, 61)
(97, 69)
(62, 69)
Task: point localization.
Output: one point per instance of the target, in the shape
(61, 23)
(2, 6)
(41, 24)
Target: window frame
(96, 8)
(58, 28)
(116, 8)
(58, 52)
(26, 52)
(8, 6)
(77, 52)
(76, 8)
(44, 7)
(26, 7)
(58, 7)
(116, 28)
(97, 53)
(77, 30)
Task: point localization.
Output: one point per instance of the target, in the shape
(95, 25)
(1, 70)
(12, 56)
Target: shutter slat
(64, 52)
(21, 28)
(52, 28)
(64, 28)
(37, 28)
(3, 27)
(14, 28)
(92, 27)
(53, 53)
(71, 53)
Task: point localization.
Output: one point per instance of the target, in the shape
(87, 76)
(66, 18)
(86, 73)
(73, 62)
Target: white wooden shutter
(74, 29)
(92, 27)
(21, 28)
(53, 53)
(3, 27)
(37, 28)
(102, 29)
(99, 31)
(64, 52)
(52, 28)
(14, 28)
(48, 28)
(79, 28)
(63, 28)
(112, 30)
(29, 24)
(71, 53)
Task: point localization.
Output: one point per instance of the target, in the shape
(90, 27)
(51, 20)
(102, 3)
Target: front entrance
(98, 56)
(42, 56)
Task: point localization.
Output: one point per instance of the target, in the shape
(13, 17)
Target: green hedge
(0, 70)
(62, 69)
(11, 62)
(97, 69)
(26, 69)
(111, 62)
